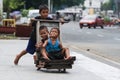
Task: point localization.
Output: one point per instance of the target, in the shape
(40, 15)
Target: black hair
(41, 7)
(43, 27)
(56, 29)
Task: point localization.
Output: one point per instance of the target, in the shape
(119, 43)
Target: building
(93, 6)
(117, 7)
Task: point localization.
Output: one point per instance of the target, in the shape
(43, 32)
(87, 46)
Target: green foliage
(24, 12)
(8, 5)
(68, 3)
(110, 5)
(0, 12)
(56, 3)
(12, 4)
(1, 15)
(106, 19)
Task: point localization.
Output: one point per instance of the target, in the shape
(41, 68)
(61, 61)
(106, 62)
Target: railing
(8, 22)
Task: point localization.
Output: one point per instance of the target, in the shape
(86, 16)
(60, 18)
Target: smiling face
(43, 33)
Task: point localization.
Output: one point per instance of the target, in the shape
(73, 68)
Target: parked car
(91, 21)
(32, 14)
(15, 15)
(67, 17)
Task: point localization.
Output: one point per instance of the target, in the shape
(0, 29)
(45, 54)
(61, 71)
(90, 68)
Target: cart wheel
(38, 68)
(64, 70)
(59, 70)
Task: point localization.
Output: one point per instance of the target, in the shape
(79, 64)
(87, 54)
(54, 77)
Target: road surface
(84, 68)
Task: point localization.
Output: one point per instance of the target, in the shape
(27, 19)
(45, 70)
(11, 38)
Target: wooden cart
(61, 65)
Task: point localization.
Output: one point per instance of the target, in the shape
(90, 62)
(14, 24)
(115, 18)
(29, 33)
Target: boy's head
(43, 10)
(43, 31)
(54, 32)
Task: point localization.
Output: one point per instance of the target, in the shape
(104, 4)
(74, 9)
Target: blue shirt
(53, 47)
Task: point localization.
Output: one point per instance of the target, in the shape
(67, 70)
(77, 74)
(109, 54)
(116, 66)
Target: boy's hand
(31, 21)
(38, 45)
(61, 20)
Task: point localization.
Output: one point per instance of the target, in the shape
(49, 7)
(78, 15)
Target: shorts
(31, 45)
(57, 55)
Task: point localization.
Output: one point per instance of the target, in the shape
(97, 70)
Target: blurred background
(68, 9)
(16, 12)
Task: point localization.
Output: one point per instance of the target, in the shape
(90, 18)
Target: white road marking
(103, 70)
(99, 35)
(88, 32)
(116, 38)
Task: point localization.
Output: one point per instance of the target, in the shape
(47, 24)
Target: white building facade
(93, 5)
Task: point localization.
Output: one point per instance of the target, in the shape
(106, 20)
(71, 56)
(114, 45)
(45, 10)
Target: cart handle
(50, 21)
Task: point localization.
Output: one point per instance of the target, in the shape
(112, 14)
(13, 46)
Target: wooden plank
(59, 67)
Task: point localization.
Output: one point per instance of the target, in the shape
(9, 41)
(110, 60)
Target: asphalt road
(102, 42)
(84, 68)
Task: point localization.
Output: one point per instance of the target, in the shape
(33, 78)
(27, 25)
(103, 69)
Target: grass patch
(7, 36)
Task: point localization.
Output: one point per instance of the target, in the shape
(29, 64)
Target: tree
(11, 4)
(56, 3)
(108, 5)
(67, 3)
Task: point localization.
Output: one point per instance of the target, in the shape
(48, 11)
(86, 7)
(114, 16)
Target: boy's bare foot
(16, 60)
(68, 58)
(46, 58)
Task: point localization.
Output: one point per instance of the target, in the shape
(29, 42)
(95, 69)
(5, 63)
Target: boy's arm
(61, 46)
(45, 43)
(31, 22)
(61, 20)
(39, 44)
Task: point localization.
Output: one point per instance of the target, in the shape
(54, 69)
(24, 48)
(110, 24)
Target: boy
(53, 49)
(43, 10)
(43, 31)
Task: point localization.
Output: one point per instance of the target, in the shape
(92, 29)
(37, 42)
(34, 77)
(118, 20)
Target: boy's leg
(35, 58)
(19, 56)
(67, 53)
(44, 54)
(30, 48)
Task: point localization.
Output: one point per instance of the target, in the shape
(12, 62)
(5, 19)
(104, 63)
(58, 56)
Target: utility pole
(1, 9)
(90, 3)
(50, 5)
(116, 7)
(101, 4)
(25, 5)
